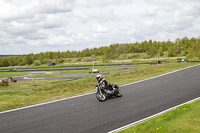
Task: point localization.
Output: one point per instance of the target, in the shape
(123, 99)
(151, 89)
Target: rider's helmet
(98, 77)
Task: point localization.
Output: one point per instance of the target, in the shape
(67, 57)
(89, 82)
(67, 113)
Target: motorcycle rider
(102, 81)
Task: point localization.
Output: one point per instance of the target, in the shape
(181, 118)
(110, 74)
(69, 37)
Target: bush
(88, 59)
(178, 59)
(37, 63)
(106, 61)
(79, 59)
(60, 60)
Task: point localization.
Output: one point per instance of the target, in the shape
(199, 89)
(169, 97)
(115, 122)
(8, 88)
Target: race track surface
(86, 115)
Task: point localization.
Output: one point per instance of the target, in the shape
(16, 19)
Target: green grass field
(33, 92)
(12, 75)
(185, 119)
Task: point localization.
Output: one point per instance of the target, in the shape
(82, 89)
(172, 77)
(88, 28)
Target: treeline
(190, 48)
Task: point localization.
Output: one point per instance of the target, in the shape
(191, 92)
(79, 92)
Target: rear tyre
(118, 93)
(102, 97)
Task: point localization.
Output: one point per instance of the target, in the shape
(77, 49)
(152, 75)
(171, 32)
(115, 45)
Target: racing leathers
(102, 81)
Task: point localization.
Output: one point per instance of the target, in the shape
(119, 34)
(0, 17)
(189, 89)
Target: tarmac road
(86, 115)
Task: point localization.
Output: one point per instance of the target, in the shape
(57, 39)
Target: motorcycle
(103, 93)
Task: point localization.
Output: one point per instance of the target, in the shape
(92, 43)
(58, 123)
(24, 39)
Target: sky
(34, 26)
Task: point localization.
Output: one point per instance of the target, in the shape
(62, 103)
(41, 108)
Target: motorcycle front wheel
(102, 97)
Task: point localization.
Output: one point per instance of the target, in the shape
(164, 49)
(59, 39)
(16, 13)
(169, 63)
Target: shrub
(37, 63)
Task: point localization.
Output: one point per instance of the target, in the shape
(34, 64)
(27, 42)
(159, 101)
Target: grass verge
(184, 119)
(58, 76)
(13, 75)
(33, 92)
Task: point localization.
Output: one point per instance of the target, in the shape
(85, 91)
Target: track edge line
(152, 116)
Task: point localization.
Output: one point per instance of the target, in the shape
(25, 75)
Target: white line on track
(90, 93)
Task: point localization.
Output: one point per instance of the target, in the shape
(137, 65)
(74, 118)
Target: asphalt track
(86, 115)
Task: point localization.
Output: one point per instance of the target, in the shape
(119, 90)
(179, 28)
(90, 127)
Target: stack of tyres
(3, 83)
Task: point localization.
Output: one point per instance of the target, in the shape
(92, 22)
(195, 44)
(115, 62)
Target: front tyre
(118, 93)
(102, 97)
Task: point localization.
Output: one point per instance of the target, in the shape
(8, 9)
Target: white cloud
(99, 28)
(51, 20)
(52, 25)
(101, 3)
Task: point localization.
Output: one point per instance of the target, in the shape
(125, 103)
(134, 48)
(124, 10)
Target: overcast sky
(33, 26)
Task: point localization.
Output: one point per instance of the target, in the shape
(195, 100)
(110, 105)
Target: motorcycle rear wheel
(118, 93)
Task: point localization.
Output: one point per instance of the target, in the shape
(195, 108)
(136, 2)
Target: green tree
(28, 60)
(61, 60)
(198, 54)
(11, 61)
(160, 51)
(37, 63)
(170, 51)
(5, 62)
